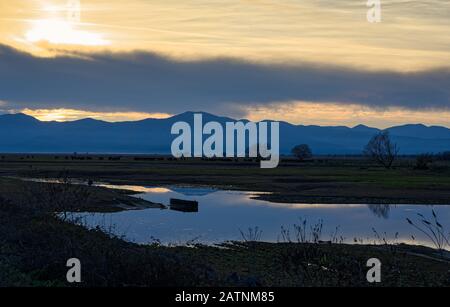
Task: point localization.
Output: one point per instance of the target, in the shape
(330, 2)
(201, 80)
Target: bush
(423, 161)
(302, 152)
(443, 156)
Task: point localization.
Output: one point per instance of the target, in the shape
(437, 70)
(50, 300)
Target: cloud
(147, 82)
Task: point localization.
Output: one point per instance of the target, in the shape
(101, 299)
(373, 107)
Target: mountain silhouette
(20, 133)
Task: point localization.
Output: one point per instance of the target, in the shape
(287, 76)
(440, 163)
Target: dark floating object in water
(183, 205)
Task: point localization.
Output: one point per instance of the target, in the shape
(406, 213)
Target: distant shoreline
(334, 180)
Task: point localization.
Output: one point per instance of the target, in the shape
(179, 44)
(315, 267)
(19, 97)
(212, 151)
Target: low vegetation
(35, 245)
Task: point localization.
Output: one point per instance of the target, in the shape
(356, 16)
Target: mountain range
(20, 133)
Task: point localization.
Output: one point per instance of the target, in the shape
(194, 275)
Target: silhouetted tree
(423, 160)
(381, 149)
(302, 152)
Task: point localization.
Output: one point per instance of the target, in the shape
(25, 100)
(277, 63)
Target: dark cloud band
(148, 82)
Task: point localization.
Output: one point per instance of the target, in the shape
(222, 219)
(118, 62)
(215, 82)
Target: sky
(316, 62)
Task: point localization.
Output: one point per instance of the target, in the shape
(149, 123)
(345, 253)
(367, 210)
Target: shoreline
(269, 196)
(324, 180)
(262, 194)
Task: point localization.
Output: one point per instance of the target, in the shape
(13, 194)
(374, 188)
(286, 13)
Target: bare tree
(302, 152)
(381, 149)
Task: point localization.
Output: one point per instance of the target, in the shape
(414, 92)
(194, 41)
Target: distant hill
(22, 133)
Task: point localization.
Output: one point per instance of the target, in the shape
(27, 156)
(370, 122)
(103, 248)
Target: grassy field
(322, 180)
(35, 245)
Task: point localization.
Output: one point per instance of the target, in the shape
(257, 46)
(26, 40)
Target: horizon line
(219, 116)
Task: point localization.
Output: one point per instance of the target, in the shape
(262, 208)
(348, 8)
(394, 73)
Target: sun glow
(335, 114)
(61, 115)
(59, 31)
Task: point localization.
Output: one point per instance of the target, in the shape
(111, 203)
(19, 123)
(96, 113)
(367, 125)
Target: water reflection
(222, 214)
(381, 211)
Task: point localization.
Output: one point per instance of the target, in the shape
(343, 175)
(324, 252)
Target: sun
(60, 31)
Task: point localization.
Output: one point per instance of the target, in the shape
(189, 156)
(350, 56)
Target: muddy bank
(73, 198)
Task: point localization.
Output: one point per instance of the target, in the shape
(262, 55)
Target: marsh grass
(303, 232)
(252, 234)
(382, 238)
(432, 228)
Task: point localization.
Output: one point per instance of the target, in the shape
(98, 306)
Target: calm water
(222, 214)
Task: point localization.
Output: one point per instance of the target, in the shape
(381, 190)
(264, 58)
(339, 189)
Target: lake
(225, 215)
